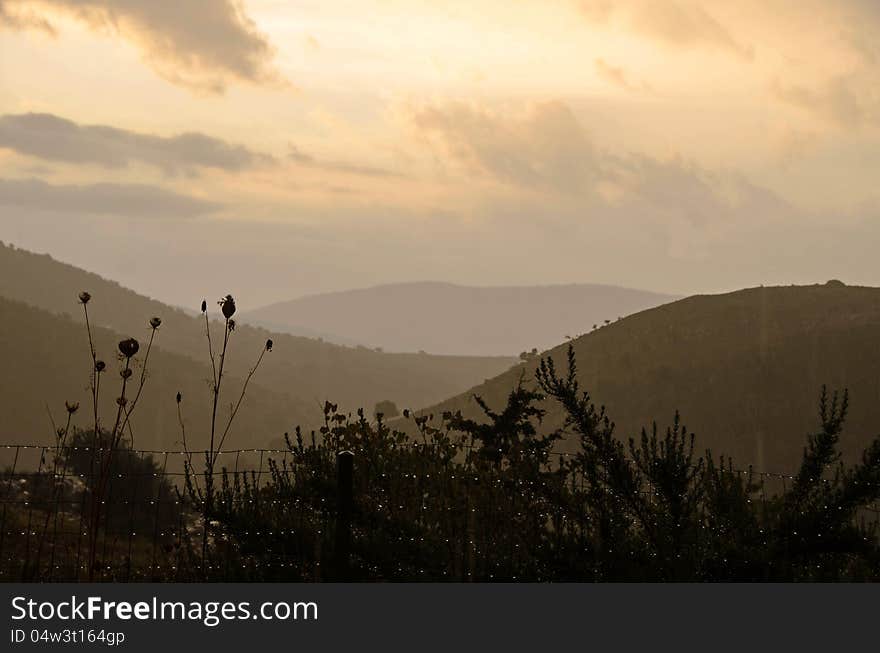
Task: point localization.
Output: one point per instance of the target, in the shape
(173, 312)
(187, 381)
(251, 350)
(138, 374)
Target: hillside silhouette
(742, 368)
(444, 318)
(305, 370)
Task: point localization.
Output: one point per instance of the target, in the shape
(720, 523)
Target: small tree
(387, 409)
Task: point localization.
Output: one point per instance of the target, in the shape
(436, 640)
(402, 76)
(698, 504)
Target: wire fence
(149, 528)
(152, 529)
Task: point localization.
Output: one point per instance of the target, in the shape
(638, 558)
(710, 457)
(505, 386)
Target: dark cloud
(201, 44)
(125, 200)
(307, 160)
(52, 138)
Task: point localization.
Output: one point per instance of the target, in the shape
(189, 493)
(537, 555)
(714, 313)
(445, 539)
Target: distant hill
(443, 318)
(745, 369)
(305, 370)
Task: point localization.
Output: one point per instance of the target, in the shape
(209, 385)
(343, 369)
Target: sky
(274, 149)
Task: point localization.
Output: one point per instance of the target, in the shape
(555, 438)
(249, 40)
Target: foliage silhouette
(488, 500)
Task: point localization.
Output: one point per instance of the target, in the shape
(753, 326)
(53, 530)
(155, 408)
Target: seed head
(100, 366)
(129, 347)
(60, 432)
(204, 306)
(179, 397)
(269, 344)
(126, 373)
(71, 407)
(121, 401)
(155, 322)
(231, 325)
(227, 306)
(84, 297)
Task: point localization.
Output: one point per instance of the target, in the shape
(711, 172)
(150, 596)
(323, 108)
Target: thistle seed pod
(227, 306)
(126, 373)
(71, 407)
(84, 297)
(100, 366)
(121, 401)
(179, 397)
(155, 322)
(204, 306)
(129, 347)
(269, 344)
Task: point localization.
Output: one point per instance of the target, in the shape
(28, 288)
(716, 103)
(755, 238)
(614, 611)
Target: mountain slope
(308, 370)
(45, 361)
(444, 318)
(745, 369)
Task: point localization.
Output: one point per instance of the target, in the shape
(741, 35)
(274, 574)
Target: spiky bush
(488, 500)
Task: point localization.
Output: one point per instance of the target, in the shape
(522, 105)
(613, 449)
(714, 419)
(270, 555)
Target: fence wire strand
(44, 521)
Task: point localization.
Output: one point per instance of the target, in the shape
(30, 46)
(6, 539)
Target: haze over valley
(444, 318)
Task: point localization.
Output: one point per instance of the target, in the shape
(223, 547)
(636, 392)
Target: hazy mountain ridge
(306, 370)
(744, 369)
(447, 318)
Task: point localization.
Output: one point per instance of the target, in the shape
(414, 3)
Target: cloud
(545, 148)
(125, 200)
(617, 76)
(848, 96)
(612, 74)
(682, 193)
(794, 145)
(843, 100)
(53, 138)
(23, 19)
(675, 23)
(200, 44)
(837, 75)
(548, 151)
(309, 161)
(859, 29)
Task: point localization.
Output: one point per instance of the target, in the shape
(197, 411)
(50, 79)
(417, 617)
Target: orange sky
(681, 146)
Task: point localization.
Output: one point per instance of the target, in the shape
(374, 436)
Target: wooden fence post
(345, 502)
